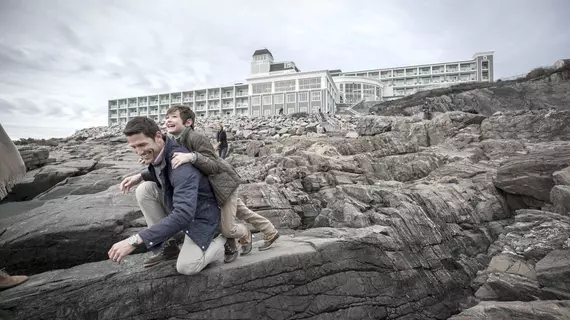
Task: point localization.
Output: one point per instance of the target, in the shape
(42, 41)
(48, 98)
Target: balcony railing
(163, 101)
(133, 114)
(124, 105)
(113, 107)
(143, 104)
(154, 103)
(451, 70)
(214, 97)
(176, 100)
(188, 99)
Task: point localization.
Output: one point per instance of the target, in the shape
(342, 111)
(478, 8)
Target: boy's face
(173, 123)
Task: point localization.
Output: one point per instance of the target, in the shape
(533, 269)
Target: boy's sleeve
(206, 158)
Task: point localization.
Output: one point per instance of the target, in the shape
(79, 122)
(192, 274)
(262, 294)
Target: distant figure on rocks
(222, 141)
(280, 111)
(426, 109)
(171, 200)
(12, 171)
(225, 181)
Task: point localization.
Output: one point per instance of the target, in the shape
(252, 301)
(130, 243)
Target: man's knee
(144, 190)
(190, 268)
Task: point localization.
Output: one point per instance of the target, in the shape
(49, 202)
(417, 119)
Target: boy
(179, 123)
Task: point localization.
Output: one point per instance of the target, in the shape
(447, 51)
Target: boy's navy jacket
(189, 200)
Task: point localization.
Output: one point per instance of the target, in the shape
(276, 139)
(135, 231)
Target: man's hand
(130, 182)
(180, 158)
(122, 249)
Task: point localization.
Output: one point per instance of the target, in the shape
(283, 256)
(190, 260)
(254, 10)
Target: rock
(549, 309)
(40, 180)
(352, 135)
(560, 198)
(267, 201)
(562, 177)
(332, 260)
(531, 126)
(549, 92)
(346, 216)
(66, 232)
(509, 278)
(34, 157)
(531, 175)
(553, 273)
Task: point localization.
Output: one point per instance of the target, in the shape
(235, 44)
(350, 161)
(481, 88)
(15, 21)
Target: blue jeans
(223, 152)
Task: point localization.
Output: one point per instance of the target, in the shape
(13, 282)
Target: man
(171, 200)
(222, 141)
(12, 171)
(224, 179)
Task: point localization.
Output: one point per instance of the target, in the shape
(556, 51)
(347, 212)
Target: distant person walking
(222, 139)
(12, 171)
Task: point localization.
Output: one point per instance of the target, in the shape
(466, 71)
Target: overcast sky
(60, 61)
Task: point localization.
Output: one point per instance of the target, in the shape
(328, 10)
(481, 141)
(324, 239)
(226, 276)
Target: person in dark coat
(171, 200)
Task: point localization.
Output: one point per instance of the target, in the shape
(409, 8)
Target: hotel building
(280, 87)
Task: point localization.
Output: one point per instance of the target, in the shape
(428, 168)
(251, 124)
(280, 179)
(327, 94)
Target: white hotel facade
(280, 87)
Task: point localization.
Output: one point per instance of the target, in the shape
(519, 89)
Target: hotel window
(255, 101)
(286, 85)
(261, 87)
(316, 96)
(266, 99)
(278, 99)
(303, 96)
(290, 98)
(310, 83)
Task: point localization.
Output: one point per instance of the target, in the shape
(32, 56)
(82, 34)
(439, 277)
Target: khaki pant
(233, 229)
(191, 259)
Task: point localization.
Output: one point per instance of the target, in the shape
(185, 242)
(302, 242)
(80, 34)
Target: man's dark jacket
(188, 198)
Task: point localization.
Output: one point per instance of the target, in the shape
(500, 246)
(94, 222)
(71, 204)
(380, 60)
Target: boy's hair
(185, 113)
(143, 125)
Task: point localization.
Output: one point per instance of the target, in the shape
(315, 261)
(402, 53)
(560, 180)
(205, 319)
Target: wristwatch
(133, 241)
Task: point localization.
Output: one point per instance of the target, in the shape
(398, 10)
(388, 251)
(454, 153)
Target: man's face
(173, 123)
(145, 147)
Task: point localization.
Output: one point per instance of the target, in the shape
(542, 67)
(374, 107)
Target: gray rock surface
(413, 218)
(34, 157)
(547, 310)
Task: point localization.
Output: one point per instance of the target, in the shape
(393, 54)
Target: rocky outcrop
(34, 157)
(545, 93)
(403, 218)
(551, 310)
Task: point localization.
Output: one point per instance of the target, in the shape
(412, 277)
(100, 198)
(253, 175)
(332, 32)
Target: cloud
(61, 62)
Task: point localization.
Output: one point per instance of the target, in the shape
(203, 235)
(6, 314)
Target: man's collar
(160, 157)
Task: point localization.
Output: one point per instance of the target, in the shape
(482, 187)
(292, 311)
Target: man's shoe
(246, 243)
(230, 250)
(169, 252)
(7, 281)
(269, 239)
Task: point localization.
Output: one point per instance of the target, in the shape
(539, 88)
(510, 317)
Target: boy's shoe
(230, 250)
(169, 252)
(269, 239)
(246, 243)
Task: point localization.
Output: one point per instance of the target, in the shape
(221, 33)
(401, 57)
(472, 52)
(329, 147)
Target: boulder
(531, 175)
(267, 201)
(528, 310)
(560, 198)
(42, 179)
(34, 157)
(553, 273)
(316, 274)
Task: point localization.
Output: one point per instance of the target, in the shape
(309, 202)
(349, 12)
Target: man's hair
(185, 113)
(143, 125)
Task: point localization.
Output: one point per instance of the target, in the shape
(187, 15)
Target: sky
(61, 61)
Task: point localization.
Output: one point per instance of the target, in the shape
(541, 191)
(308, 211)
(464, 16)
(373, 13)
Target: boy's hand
(179, 158)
